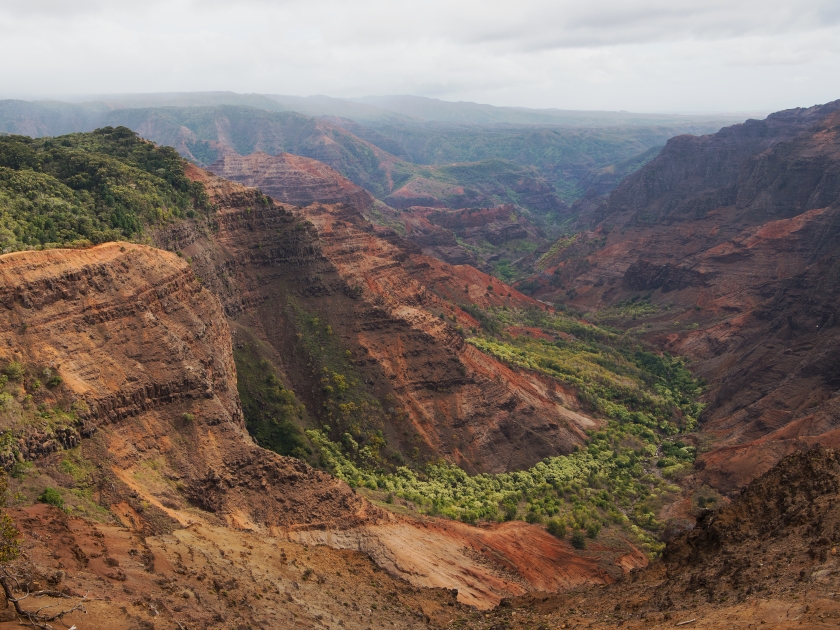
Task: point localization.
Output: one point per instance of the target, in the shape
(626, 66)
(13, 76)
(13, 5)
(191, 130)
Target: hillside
(88, 188)
(723, 249)
(570, 158)
(464, 112)
(767, 558)
(285, 393)
(121, 387)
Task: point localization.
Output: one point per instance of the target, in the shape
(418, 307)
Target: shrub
(556, 527)
(14, 371)
(578, 540)
(51, 496)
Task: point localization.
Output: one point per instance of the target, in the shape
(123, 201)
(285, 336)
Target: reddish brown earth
(206, 576)
(733, 239)
(490, 234)
(395, 311)
(138, 343)
(485, 564)
(292, 179)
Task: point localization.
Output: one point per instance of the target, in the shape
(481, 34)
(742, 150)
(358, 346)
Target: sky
(685, 56)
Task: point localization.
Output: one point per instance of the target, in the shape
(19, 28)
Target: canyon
(134, 372)
(723, 249)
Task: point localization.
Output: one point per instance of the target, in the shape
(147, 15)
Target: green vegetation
(620, 478)
(9, 534)
(51, 496)
(349, 414)
(89, 188)
(272, 413)
(558, 246)
(631, 308)
(27, 407)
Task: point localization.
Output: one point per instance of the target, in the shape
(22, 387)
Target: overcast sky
(643, 55)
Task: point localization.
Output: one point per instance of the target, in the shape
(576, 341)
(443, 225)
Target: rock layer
(395, 312)
(292, 179)
(144, 354)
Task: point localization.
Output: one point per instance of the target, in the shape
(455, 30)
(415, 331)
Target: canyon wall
(728, 247)
(396, 331)
(147, 375)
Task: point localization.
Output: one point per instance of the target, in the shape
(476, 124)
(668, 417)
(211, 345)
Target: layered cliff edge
(147, 387)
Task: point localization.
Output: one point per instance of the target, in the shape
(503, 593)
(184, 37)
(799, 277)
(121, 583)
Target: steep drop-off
(724, 249)
(369, 333)
(143, 356)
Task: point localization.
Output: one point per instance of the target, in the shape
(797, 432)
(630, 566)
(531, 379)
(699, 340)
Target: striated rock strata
(144, 355)
(395, 313)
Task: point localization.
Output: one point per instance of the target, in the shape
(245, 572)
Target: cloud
(649, 55)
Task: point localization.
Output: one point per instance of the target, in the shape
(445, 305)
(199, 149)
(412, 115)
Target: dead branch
(36, 618)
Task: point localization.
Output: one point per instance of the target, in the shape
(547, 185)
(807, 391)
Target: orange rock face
(292, 179)
(144, 354)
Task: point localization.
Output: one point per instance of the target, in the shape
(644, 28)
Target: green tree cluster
(88, 188)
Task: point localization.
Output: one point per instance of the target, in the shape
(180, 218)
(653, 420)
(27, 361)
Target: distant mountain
(340, 108)
(572, 159)
(432, 109)
(370, 144)
(49, 118)
(184, 99)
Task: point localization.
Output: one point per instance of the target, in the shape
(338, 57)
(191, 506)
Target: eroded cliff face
(732, 241)
(292, 179)
(146, 377)
(140, 415)
(332, 294)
